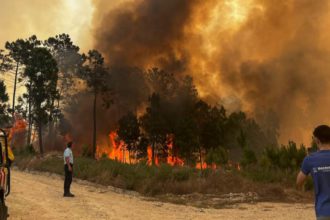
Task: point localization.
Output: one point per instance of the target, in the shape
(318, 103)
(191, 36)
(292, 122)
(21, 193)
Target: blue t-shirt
(318, 165)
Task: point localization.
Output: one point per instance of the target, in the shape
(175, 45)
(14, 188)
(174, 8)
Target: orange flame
(171, 158)
(19, 126)
(117, 151)
(149, 162)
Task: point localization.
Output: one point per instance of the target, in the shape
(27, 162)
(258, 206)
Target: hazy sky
(45, 18)
(22, 18)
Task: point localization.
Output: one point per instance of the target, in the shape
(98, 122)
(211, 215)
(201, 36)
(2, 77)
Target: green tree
(210, 122)
(218, 156)
(19, 52)
(129, 132)
(5, 62)
(95, 74)
(69, 62)
(286, 157)
(3, 106)
(42, 73)
(249, 157)
(154, 124)
(186, 139)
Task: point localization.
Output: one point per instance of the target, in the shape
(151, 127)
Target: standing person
(68, 170)
(318, 165)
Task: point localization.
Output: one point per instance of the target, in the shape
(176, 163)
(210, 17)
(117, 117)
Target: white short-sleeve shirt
(68, 153)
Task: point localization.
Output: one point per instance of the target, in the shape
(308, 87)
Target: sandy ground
(39, 196)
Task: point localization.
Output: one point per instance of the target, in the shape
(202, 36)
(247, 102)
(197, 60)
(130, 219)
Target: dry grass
(164, 181)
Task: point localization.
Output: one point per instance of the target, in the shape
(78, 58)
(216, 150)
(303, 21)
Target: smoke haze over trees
(267, 60)
(270, 60)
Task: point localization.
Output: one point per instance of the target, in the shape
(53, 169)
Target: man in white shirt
(68, 169)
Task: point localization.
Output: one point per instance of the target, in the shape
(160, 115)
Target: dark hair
(322, 133)
(69, 145)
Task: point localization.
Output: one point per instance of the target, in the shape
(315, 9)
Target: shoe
(68, 195)
(71, 195)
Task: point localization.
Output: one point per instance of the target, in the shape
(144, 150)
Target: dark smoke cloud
(132, 36)
(270, 59)
(144, 33)
(286, 64)
(129, 91)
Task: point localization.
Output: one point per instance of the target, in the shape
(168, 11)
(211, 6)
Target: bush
(27, 150)
(285, 157)
(182, 174)
(218, 156)
(87, 151)
(249, 157)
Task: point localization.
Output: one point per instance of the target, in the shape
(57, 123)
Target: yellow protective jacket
(10, 152)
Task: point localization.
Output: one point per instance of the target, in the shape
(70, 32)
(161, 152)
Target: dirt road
(39, 196)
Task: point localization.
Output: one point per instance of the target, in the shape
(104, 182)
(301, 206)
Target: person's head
(322, 135)
(69, 145)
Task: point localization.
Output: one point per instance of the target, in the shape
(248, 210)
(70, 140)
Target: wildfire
(18, 126)
(171, 158)
(149, 151)
(117, 151)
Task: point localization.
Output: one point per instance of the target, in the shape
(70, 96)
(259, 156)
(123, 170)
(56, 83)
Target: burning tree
(129, 132)
(95, 75)
(154, 124)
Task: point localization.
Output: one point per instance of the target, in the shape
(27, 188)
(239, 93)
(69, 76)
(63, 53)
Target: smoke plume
(269, 59)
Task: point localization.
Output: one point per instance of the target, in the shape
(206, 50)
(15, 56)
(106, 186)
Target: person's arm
(301, 178)
(304, 171)
(67, 160)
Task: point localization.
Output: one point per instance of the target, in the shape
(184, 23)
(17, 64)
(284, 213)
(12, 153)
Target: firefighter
(11, 156)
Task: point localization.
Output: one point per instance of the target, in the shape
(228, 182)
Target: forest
(61, 94)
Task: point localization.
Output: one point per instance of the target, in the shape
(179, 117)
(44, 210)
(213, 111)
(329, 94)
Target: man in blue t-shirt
(318, 165)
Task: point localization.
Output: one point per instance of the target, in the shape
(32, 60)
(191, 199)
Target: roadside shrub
(285, 157)
(218, 156)
(249, 157)
(182, 174)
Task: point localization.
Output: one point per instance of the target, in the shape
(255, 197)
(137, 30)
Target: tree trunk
(129, 156)
(153, 153)
(29, 119)
(15, 85)
(94, 123)
(40, 139)
(51, 138)
(200, 158)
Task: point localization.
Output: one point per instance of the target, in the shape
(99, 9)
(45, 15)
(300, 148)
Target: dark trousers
(67, 179)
